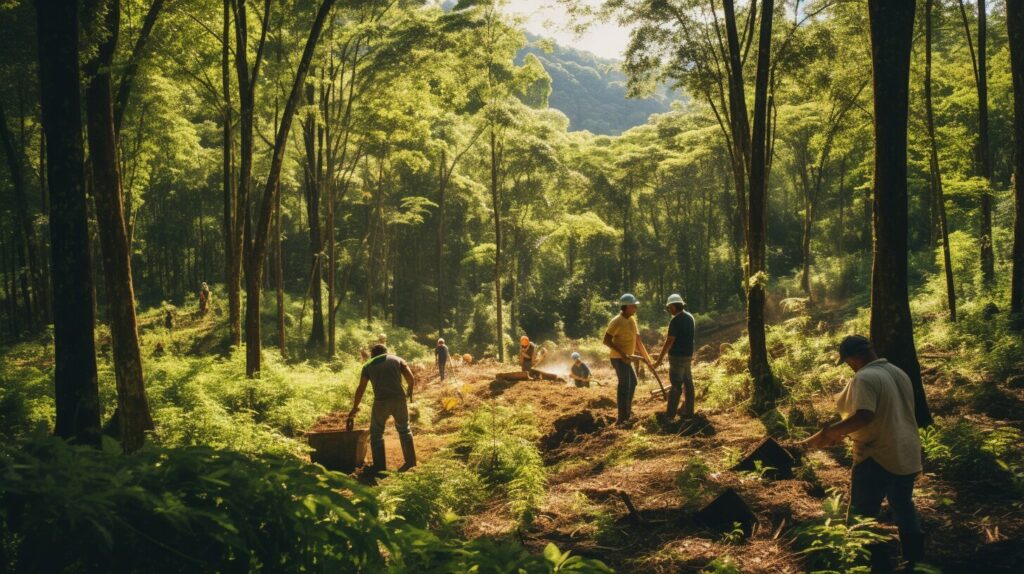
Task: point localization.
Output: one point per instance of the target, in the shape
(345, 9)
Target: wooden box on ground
(339, 450)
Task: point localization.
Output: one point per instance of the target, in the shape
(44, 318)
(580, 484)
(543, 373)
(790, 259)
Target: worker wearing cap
(878, 415)
(385, 372)
(623, 340)
(679, 347)
(579, 372)
(441, 355)
(527, 354)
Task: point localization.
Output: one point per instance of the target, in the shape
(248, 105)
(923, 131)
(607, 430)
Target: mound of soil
(332, 421)
(601, 403)
(696, 425)
(571, 427)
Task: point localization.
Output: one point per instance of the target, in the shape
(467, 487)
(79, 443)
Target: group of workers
(622, 337)
(877, 408)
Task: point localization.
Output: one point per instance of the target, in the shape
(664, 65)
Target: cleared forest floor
(969, 527)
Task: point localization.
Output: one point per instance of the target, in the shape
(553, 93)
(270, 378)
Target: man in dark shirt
(385, 372)
(579, 372)
(679, 347)
(441, 355)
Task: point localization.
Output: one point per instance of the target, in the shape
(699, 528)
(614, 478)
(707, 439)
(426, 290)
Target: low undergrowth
(76, 509)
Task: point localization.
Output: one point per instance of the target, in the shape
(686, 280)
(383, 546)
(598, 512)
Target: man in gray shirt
(878, 415)
(385, 372)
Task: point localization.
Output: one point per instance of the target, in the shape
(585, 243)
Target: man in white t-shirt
(878, 415)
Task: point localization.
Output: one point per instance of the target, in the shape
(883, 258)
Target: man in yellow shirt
(623, 340)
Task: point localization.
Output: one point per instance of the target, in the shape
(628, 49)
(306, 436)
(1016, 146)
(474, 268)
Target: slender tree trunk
(282, 343)
(312, 137)
(9, 300)
(331, 261)
(766, 388)
(232, 247)
(256, 240)
(1015, 30)
(24, 232)
(132, 407)
(441, 184)
(984, 154)
(76, 387)
(892, 329)
(936, 173)
(496, 204)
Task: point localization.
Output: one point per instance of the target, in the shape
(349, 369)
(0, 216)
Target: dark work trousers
(627, 386)
(383, 409)
(681, 377)
(440, 368)
(870, 484)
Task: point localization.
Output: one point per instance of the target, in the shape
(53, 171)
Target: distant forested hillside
(591, 90)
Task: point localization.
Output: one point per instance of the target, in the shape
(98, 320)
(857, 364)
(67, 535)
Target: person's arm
(356, 400)
(409, 378)
(610, 343)
(643, 350)
(664, 349)
(833, 434)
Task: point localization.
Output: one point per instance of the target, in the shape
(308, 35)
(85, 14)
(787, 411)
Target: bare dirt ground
(592, 464)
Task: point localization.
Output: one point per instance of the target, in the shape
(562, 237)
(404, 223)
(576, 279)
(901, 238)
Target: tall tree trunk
(766, 388)
(740, 125)
(984, 158)
(282, 343)
(256, 240)
(892, 329)
(1015, 30)
(232, 226)
(496, 204)
(76, 387)
(132, 407)
(936, 173)
(331, 261)
(8, 279)
(441, 184)
(312, 137)
(24, 232)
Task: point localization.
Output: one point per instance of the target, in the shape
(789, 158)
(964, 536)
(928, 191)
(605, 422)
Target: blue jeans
(870, 484)
(626, 387)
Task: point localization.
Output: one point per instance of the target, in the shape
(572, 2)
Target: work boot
(380, 461)
(409, 452)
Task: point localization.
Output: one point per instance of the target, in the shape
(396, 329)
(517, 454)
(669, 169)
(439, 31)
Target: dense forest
(210, 211)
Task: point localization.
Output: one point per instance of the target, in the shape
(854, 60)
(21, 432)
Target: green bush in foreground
(195, 509)
(837, 543)
(500, 444)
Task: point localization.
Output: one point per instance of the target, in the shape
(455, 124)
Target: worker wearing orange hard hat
(527, 354)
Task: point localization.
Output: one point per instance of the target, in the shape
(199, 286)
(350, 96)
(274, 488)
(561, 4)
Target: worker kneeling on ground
(527, 355)
(623, 340)
(878, 414)
(679, 347)
(385, 372)
(579, 372)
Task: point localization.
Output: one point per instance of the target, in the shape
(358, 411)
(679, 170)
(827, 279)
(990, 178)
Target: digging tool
(662, 390)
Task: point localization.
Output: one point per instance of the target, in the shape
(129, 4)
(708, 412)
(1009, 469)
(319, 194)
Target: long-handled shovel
(661, 390)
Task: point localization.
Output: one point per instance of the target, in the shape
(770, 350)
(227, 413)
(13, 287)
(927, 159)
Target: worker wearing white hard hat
(679, 349)
(623, 341)
(579, 372)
